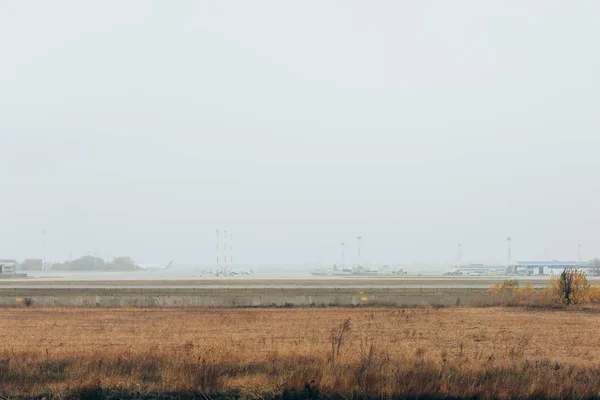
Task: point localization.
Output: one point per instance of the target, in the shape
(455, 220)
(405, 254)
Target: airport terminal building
(547, 267)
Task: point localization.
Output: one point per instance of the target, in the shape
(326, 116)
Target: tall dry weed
(337, 338)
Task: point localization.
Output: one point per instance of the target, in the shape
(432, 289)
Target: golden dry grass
(492, 352)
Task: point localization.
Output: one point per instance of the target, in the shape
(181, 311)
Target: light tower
(230, 249)
(459, 247)
(359, 238)
(579, 254)
(343, 254)
(44, 255)
(508, 240)
(217, 252)
(225, 254)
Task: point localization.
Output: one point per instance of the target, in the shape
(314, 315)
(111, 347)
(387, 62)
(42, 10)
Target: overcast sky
(140, 127)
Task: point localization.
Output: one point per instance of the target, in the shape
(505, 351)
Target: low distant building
(7, 267)
(32, 264)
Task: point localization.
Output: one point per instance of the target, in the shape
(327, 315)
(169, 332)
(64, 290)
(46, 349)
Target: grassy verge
(298, 353)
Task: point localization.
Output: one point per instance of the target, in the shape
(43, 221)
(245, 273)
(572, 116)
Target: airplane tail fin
(169, 265)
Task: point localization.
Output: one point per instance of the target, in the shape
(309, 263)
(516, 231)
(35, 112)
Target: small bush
(28, 301)
(594, 294)
(525, 293)
(508, 292)
(506, 286)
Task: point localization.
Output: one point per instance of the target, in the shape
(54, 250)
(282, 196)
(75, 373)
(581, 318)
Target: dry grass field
(299, 353)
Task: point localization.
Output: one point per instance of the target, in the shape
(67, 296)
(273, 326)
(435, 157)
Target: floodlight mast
(508, 240)
(358, 258)
(217, 253)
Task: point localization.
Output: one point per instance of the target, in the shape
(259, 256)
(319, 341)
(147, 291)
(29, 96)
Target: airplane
(154, 267)
(367, 271)
(238, 272)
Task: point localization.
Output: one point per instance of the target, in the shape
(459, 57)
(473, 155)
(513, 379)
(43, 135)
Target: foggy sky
(139, 128)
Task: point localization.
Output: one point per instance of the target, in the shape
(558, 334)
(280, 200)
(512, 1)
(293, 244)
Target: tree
(571, 287)
(122, 264)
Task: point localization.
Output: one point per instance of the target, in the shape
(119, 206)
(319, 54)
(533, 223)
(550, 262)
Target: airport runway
(112, 281)
(252, 286)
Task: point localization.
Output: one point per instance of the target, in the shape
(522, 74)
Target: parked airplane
(238, 272)
(154, 267)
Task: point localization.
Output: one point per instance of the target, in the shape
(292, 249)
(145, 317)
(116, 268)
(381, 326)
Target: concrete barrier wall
(250, 300)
